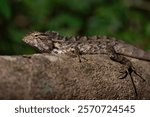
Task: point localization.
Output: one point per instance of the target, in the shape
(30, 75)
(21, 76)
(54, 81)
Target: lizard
(76, 46)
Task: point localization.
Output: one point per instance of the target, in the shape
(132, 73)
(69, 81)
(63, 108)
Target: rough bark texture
(43, 76)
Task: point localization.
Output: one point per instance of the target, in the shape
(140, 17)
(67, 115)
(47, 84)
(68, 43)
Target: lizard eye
(35, 35)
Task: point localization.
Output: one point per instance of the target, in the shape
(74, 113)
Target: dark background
(125, 19)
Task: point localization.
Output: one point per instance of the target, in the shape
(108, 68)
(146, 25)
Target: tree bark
(43, 76)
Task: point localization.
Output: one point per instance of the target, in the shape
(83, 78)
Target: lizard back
(54, 42)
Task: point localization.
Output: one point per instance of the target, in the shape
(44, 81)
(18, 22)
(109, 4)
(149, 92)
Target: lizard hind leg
(124, 74)
(129, 72)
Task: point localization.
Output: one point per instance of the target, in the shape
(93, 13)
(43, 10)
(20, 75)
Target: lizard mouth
(25, 40)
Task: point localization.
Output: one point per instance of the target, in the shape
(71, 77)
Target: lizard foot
(129, 72)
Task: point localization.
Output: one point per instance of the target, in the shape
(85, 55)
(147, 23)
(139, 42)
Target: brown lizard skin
(53, 42)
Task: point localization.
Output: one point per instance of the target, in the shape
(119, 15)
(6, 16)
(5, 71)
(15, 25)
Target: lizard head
(41, 41)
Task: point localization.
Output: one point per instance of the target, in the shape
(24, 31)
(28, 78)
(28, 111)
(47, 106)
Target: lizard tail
(133, 52)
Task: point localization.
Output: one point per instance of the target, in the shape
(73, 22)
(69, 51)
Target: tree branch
(43, 76)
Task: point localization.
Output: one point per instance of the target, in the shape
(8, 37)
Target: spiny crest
(53, 35)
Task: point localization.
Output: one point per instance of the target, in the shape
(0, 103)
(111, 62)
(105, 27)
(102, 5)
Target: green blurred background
(125, 19)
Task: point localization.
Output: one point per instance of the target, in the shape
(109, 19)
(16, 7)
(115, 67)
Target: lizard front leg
(75, 52)
(128, 65)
